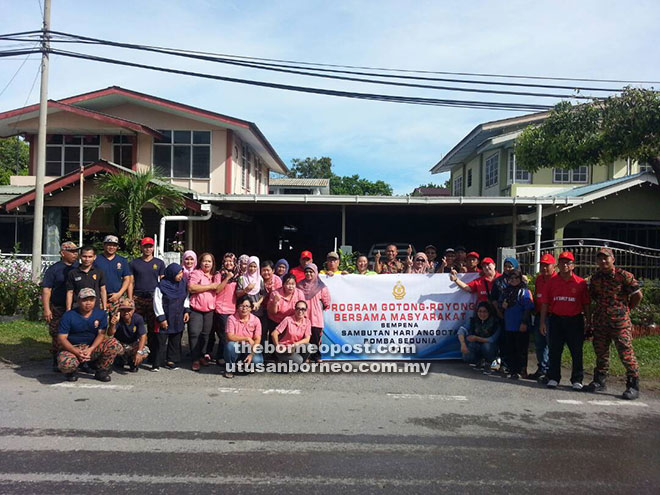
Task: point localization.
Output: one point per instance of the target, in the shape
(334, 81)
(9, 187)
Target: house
(622, 199)
(299, 186)
(431, 191)
(114, 129)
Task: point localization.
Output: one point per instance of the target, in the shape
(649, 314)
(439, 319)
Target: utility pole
(37, 232)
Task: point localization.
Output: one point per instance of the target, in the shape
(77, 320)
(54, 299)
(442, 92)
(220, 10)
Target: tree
(321, 168)
(623, 126)
(14, 158)
(125, 195)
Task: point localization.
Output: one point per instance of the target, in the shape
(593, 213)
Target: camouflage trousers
(53, 327)
(104, 355)
(622, 338)
(128, 351)
(144, 306)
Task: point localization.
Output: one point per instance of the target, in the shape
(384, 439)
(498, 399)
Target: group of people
(558, 314)
(105, 310)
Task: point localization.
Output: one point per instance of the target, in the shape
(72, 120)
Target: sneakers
(172, 366)
(488, 370)
(632, 389)
(577, 386)
(514, 376)
(155, 369)
(552, 384)
(102, 376)
(196, 366)
(536, 375)
(133, 368)
(71, 377)
(229, 374)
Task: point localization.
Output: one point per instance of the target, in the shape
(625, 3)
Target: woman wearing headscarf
(281, 268)
(516, 301)
(317, 296)
(251, 284)
(242, 264)
(225, 303)
(189, 263)
(172, 307)
(420, 264)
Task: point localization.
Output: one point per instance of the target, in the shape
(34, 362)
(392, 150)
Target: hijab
(512, 293)
(254, 278)
(425, 267)
(243, 258)
(169, 286)
(311, 287)
(282, 262)
(513, 261)
(186, 272)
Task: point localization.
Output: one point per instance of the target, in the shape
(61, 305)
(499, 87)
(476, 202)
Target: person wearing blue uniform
(172, 309)
(128, 328)
(116, 271)
(82, 338)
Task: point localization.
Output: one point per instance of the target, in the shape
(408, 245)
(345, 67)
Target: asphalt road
(454, 430)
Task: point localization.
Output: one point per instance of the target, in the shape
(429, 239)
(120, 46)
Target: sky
(394, 142)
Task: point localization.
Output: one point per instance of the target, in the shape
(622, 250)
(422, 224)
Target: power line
(15, 74)
(303, 89)
(290, 70)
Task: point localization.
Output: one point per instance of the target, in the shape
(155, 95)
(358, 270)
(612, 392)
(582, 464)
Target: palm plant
(125, 195)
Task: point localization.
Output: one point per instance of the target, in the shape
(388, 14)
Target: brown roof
(431, 191)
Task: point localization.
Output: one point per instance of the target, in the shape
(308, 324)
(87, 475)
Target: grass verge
(647, 351)
(22, 341)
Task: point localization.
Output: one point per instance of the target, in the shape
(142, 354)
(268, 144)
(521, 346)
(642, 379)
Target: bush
(648, 311)
(18, 293)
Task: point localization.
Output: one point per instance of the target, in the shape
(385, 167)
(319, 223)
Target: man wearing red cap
(566, 300)
(299, 271)
(546, 274)
(147, 272)
(482, 286)
(472, 262)
(615, 292)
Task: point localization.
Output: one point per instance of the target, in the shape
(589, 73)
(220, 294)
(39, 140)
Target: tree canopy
(354, 185)
(622, 126)
(14, 157)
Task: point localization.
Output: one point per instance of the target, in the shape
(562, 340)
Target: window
(492, 170)
(578, 175)
(64, 154)
(469, 178)
(183, 154)
(246, 163)
(122, 150)
(522, 175)
(259, 178)
(645, 167)
(458, 186)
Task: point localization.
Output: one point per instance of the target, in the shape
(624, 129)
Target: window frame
(518, 180)
(81, 147)
(492, 179)
(570, 174)
(469, 178)
(458, 185)
(191, 144)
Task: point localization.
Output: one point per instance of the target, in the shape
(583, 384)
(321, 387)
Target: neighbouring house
(618, 200)
(299, 186)
(431, 191)
(118, 130)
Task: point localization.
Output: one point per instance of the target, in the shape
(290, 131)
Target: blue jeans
(233, 354)
(478, 350)
(541, 343)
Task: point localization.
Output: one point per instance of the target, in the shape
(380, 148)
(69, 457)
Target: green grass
(647, 351)
(22, 341)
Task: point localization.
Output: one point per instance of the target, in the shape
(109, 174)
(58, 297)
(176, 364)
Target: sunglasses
(301, 309)
(246, 306)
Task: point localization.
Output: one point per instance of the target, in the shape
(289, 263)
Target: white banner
(402, 316)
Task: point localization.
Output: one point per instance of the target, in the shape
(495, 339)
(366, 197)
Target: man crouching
(82, 339)
(128, 328)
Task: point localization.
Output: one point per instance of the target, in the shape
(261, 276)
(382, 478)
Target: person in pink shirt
(292, 335)
(243, 332)
(225, 303)
(271, 283)
(189, 263)
(317, 296)
(282, 301)
(202, 303)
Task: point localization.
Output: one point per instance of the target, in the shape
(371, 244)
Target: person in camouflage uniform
(615, 292)
(391, 263)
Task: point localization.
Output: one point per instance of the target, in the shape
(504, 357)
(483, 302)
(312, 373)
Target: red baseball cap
(146, 241)
(548, 259)
(306, 254)
(567, 255)
(486, 260)
(472, 254)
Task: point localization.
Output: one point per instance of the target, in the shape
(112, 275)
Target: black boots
(632, 389)
(598, 384)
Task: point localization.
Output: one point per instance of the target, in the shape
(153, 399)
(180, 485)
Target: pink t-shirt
(201, 301)
(274, 284)
(251, 328)
(285, 307)
(225, 300)
(291, 332)
(315, 307)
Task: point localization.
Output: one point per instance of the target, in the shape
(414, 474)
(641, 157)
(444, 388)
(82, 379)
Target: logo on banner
(399, 291)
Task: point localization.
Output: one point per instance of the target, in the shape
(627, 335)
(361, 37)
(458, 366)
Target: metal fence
(643, 262)
(25, 260)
